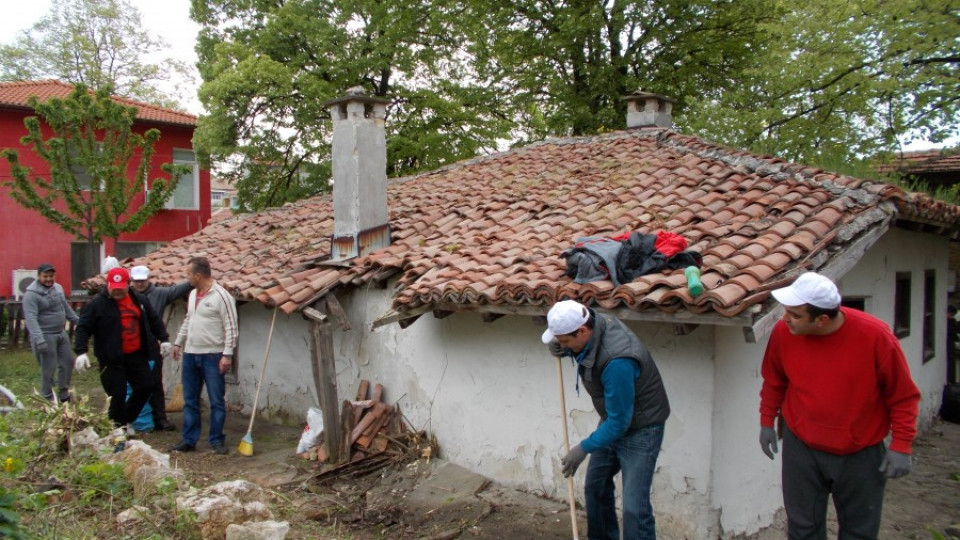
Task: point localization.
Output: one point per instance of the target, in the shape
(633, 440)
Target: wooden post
(325, 379)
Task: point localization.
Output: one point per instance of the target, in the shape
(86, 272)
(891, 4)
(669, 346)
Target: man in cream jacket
(207, 340)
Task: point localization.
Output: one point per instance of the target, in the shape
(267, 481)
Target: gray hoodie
(160, 297)
(46, 311)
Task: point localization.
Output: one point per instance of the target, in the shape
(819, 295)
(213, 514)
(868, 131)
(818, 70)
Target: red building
(27, 239)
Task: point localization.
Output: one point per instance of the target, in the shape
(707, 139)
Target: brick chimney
(648, 110)
(359, 157)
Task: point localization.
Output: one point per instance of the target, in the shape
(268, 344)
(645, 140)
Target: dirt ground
(384, 504)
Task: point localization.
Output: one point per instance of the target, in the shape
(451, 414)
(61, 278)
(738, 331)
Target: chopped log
(377, 393)
(362, 391)
(361, 395)
(378, 410)
(368, 434)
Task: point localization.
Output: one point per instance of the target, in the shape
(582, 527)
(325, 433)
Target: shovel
(246, 443)
(566, 444)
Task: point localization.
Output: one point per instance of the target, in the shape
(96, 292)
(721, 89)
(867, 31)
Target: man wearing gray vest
(623, 381)
(46, 312)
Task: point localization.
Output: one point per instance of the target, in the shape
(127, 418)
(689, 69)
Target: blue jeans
(200, 370)
(635, 455)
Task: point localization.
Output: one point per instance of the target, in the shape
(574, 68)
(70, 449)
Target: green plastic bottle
(693, 280)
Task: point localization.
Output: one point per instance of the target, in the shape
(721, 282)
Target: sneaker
(183, 446)
(220, 449)
(164, 425)
(131, 432)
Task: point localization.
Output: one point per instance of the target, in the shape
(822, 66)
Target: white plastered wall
(489, 392)
(874, 279)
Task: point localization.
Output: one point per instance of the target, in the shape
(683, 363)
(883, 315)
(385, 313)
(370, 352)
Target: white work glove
(82, 362)
(165, 348)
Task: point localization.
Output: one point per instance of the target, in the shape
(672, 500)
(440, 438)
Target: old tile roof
(924, 162)
(16, 94)
(486, 234)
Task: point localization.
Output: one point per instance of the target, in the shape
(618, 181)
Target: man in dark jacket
(160, 297)
(126, 334)
(624, 383)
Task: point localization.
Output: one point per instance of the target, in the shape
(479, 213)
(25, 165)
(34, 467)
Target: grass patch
(20, 373)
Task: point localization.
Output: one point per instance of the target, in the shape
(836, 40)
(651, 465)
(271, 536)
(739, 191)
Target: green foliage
(9, 518)
(100, 480)
(569, 63)
(96, 42)
(90, 150)
(818, 82)
(841, 79)
(268, 67)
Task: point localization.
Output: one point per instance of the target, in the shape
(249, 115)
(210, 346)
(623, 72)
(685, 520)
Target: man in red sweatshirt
(838, 379)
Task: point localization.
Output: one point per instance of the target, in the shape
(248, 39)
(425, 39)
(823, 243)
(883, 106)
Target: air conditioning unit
(21, 280)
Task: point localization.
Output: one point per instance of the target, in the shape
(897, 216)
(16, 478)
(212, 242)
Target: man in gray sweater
(160, 297)
(46, 312)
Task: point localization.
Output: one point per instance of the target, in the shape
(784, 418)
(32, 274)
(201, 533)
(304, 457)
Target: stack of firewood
(376, 435)
(370, 427)
(369, 424)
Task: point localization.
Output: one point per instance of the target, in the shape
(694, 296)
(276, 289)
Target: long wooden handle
(263, 369)
(566, 445)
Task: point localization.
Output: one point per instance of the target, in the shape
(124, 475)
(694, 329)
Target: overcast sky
(169, 19)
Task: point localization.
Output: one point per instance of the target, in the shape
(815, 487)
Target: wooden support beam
(314, 315)
(325, 380)
(335, 309)
(404, 323)
(441, 314)
(684, 329)
(490, 317)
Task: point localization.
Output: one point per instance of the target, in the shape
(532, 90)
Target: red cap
(118, 278)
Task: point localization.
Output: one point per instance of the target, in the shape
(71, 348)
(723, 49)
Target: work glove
(555, 348)
(81, 363)
(895, 464)
(166, 348)
(768, 441)
(41, 347)
(572, 460)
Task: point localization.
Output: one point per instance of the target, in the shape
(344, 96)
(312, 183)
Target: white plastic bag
(312, 431)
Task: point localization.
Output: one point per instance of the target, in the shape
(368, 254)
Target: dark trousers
(854, 480)
(135, 370)
(158, 397)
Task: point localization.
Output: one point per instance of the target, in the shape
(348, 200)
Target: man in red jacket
(838, 379)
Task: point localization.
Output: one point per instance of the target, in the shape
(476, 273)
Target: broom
(566, 444)
(246, 443)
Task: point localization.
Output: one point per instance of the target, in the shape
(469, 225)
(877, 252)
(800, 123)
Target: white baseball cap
(139, 272)
(810, 288)
(565, 318)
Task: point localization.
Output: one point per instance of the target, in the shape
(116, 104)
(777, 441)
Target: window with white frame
(186, 195)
